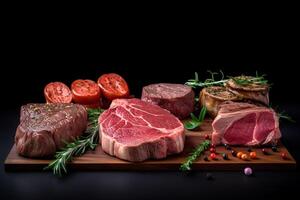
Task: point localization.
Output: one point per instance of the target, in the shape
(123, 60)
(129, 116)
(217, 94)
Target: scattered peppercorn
(213, 156)
(225, 156)
(244, 157)
(284, 156)
(253, 155)
(233, 152)
(274, 148)
(239, 154)
(227, 147)
(206, 158)
(206, 136)
(265, 151)
(212, 150)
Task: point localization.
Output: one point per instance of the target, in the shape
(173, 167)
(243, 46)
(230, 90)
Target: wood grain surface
(98, 160)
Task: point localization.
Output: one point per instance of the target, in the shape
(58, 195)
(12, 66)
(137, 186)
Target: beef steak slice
(44, 128)
(135, 130)
(177, 98)
(245, 124)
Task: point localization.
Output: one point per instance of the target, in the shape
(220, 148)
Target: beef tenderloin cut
(45, 128)
(177, 98)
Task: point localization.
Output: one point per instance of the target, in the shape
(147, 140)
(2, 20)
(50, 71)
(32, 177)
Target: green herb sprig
(246, 80)
(240, 80)
(186, 166)
(79, 146)
(208, 82)
(283, 115)
(195, 122)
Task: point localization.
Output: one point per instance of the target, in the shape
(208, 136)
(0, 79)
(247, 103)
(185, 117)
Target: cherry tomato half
(113, 86)
(57, 92)
(85, 92)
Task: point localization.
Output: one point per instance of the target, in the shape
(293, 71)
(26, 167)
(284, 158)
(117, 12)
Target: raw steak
(245, 124)
(44, 128)
(177, 98)
(135, 130)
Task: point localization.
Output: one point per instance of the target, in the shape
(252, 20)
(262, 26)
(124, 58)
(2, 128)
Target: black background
(23, 82)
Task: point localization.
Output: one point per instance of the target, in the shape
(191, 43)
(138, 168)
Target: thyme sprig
(79, 146)
(186, 166)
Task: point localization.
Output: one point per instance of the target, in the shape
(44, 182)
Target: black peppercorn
(225, 156)
(233, 152)
(206, 158)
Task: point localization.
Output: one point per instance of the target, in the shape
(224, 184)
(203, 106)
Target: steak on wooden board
(245, 124)
(135, 130)
(177, 98)
(253, 92)
(44, 128)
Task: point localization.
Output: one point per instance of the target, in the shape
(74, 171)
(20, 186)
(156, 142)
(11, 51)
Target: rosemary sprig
(283, 115)
(241, 80)
(195, 122)
(208, 82)
(186, 166)
(246, 80)
(79, 146)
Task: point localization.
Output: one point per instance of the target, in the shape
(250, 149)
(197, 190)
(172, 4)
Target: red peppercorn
(213, 145)
(206, 136)
(284, 156)
(265, 151)
(213, 156)
(212, 150)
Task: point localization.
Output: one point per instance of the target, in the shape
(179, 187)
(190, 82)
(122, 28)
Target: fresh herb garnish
(285, 116)
(195, 122)
(240, 80)
(208, 82)
(79, 146)
(247, 80)
(186, 166)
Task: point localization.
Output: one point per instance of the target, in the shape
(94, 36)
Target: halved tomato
(57, 92)
(113, 86)
(85, 92)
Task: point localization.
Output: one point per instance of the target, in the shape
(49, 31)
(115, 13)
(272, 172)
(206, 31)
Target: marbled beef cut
(135, 130)
(245, 124)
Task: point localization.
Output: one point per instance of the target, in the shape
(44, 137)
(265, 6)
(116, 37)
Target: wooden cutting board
(98, 160)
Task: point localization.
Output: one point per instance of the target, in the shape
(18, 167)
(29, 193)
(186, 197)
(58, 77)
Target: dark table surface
(148, 185)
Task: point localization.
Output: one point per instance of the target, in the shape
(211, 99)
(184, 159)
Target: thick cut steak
(44, 128)
(135, 130)
(253, 92)
(245, 124)
(177, 98)
(211, 97)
